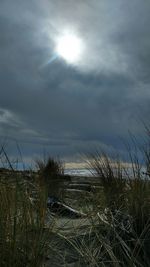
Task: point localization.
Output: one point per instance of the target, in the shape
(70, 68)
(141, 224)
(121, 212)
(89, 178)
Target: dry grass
(119, 229)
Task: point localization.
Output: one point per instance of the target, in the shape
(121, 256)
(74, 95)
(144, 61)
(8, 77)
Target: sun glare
(69, 47)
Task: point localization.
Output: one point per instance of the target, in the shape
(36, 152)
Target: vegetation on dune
(116, 231)
(51, 175)
(22, 236)
(121, 235)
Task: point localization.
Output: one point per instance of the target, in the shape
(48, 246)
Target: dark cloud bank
(66, 109)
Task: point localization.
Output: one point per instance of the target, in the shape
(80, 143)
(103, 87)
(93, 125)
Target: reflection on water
(78, 172)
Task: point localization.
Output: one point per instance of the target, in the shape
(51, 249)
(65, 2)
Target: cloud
(68, 108)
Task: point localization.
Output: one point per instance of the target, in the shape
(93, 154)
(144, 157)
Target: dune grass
(51, 175)
(120, 231)
(117, 232)
(23, 240)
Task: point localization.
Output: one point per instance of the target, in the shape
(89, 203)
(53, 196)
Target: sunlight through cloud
(70, 47)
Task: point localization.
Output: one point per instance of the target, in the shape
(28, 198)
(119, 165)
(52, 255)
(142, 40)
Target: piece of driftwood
(57, 207)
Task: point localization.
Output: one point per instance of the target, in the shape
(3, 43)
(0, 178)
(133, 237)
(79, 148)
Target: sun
(70, 47)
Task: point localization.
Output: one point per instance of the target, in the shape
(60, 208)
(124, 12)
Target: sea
(79, 172)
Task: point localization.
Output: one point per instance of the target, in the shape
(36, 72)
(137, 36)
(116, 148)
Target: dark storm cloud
(69, 108)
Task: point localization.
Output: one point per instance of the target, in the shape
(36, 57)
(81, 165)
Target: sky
(66, 109)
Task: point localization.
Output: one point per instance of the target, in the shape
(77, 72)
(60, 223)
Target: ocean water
(78, 172)
(90, 172)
